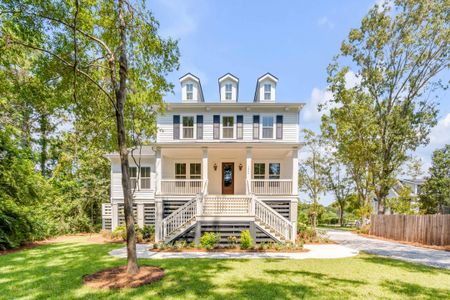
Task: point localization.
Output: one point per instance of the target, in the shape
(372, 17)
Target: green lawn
(55, 270)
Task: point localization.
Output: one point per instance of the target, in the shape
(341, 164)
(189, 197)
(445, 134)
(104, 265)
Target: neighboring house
(414, 186)
(219, 167)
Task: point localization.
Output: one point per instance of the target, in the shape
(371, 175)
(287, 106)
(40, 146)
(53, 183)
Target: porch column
(205, 166)
(158, 172)
(248, 169)
(293, 217)
(295, 171)
(159, 211)
(140, 214)
(114, 216)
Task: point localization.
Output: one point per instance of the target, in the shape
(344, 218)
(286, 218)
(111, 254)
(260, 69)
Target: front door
(228, 178)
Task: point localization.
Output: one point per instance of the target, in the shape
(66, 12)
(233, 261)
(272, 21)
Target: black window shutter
(176, 127)
(216, 127)
(256, 127)
(279, 127)
(199, 127)
(240, 127)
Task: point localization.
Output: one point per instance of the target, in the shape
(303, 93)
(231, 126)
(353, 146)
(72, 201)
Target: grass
(55, 271)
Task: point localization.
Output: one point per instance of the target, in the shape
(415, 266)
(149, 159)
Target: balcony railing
(271, 186)
(181, 186)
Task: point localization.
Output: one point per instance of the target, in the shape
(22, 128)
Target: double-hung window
(189, 91)
(180, 173)
(188, 127)
(267, 127)
(195, 171)
(228, 91)
(274, 170)
(133, 177)
(228, 127)
(145, 178)
(259, 170)
(267, 91)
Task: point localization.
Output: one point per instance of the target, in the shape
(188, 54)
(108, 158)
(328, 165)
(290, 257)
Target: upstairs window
(267, 127)
(227, 127)
(145, 178)
(188, 127)
(228, 90)
(189, 91)
(267, 91)
(259, 170)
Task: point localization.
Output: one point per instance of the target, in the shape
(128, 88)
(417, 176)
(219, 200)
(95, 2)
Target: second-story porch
(227, 170)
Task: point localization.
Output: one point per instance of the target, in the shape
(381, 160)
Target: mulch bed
(233, 250)
(117, 278)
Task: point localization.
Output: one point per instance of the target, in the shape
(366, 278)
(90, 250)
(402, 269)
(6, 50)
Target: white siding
(290, 124)
(116, 180)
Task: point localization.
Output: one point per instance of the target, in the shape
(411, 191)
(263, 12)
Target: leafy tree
(311, 175)
(402, 204)
(338, 181)
(435, 193)
(112, 46)
(396, 55)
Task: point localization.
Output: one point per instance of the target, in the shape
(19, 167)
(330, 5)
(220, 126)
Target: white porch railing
(183, 215)
(276, 222)
(271, 186)
(106, 210)
(181, 186)
(229, 205)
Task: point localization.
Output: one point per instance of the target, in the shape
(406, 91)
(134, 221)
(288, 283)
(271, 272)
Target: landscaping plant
(246, 241)
(209, 240)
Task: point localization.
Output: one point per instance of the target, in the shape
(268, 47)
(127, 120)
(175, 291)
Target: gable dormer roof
(192, 77)
(235, 81)
(267, 76)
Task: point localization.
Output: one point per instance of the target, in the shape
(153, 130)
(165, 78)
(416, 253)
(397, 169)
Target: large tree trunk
(132, 266)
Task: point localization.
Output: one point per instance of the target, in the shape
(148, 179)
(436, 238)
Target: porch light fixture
(240, 167)
(215, 167)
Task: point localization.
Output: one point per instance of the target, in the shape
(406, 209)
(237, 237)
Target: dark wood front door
(228, 178)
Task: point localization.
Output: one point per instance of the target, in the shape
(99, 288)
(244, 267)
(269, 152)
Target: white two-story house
(221, 167)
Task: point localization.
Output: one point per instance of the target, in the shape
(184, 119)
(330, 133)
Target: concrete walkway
(430, 257)
(315, 251)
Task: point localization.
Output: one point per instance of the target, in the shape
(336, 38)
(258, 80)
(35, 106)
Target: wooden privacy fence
(423, 229)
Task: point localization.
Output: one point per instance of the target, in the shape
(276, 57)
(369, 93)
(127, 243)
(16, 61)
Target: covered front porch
(237, 170)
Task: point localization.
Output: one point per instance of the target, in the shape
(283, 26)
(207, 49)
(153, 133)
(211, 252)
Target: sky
(294, 40)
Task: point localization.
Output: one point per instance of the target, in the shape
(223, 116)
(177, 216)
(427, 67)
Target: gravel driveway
(430, 257)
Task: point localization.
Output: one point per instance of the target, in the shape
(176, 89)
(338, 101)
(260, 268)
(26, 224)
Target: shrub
(148, 232)
(246, 240)
(363, 229)
(232, 241)
(307, 233)
(120, 232)
(209, 240)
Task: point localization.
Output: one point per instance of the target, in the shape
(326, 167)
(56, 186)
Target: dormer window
(267, 91)
(189, 91)
(228, 91)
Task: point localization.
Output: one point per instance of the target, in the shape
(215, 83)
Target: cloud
(325, 22)
(440, 134)
(351, 80)
(311, 112)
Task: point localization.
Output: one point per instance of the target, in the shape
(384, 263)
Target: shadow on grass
(409, 290)
(407, 266)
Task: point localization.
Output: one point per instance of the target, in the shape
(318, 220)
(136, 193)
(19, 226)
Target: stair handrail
(180, 217)
(272, 218)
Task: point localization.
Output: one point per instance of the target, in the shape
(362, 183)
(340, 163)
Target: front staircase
(226, 207)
